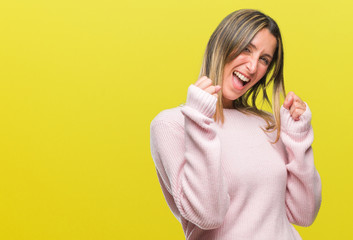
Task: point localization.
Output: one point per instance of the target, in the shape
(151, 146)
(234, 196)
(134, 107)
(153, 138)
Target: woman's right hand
(206, 84)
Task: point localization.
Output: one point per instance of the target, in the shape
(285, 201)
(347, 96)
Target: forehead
(265, 42)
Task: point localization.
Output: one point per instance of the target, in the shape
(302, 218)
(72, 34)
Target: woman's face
(249, 67)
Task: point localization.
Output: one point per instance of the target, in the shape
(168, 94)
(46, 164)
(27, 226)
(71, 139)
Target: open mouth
(240, 80)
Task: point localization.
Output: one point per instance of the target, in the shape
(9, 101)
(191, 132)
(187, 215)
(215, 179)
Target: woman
(229, 170)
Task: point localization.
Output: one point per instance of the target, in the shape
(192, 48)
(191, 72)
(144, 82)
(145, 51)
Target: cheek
(262, 72)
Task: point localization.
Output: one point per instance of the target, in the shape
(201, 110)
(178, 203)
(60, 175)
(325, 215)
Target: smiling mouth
(240, 79)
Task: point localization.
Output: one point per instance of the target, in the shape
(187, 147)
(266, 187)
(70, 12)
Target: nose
(252, 64)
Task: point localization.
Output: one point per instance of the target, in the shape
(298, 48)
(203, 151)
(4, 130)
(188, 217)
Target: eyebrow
(253, 46)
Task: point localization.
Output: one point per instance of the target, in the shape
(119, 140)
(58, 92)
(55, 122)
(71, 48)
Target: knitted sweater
(228, 181)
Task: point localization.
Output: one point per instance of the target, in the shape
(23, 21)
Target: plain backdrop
(81, 80)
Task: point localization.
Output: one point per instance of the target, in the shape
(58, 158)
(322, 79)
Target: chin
(232, 96)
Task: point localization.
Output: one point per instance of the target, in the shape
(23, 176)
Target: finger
(212, 89)
(217, 88)
(297, 113)
(299, 103)
(296, 98)
(294, 107)
(288, 101)
(197, 83)
(205, 83)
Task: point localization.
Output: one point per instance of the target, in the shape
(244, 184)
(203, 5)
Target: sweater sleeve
(303, 194)
(187, 159)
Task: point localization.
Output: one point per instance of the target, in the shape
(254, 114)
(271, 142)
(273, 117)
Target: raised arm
(303, 195)
(188, 162)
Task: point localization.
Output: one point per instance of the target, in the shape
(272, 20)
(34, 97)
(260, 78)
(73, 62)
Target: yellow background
(80, 81)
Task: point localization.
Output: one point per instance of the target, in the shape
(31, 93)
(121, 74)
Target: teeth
(241, 76)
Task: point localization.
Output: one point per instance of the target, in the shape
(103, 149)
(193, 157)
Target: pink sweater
(228, 181)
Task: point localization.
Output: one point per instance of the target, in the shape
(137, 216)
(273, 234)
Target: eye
(246, 49)
(265, 60)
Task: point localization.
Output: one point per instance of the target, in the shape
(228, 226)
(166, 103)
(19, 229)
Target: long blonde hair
(229, 39)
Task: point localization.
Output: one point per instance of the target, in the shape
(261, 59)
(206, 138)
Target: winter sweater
(228, 181)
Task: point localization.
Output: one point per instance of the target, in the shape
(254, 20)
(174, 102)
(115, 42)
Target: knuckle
(298, 112)
(208, 89)
(297, 99)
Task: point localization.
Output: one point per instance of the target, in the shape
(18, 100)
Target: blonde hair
(229, 39)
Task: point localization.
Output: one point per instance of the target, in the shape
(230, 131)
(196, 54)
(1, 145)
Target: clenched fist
(295, 105)
(206, 84)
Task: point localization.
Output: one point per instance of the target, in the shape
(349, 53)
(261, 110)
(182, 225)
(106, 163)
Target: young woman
(229, 170)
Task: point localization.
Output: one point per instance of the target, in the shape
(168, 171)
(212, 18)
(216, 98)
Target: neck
(227, 103)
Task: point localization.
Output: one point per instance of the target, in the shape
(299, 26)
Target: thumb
(217, 88)
(288, 102)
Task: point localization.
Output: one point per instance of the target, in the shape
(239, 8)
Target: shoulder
(170, 117)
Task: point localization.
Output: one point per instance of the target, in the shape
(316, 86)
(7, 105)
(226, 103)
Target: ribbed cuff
(201, 101)
(289, 125)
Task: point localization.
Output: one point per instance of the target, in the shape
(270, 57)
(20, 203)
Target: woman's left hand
(295, 105)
